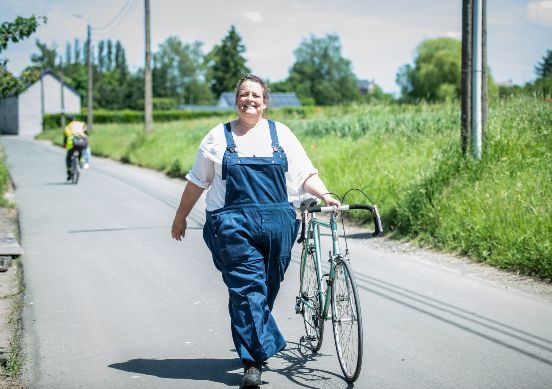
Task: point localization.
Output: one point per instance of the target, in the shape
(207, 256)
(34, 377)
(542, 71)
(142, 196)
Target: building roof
(365, 86)
(51, 72)
(44, 73)
(276, 100)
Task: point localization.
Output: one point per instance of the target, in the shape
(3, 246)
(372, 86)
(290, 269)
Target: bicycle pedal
(306, 338)
(298, 305)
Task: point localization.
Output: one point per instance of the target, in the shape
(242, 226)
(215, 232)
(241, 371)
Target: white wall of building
(27, 113)
(30, 110)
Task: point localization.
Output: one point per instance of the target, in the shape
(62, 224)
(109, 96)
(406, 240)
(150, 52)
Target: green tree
(544, 68)
(46, 57)
(68, 54)
(14, 32)
(542, 86)
(227, 63)
(120, 59)
(102, 60)
(179, 72)
(109, 55)
(77, 54)
(436, 73)
(110, 85)
(18, 30)
(321, 74)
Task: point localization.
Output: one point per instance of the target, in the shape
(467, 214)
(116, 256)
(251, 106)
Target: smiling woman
(255, 169)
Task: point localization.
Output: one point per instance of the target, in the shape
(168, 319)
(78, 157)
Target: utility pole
(484, 84)
(474, 76)
(467, 19)
(90, 119)
(477, 66)
(148, 109)
(42, 95)
(62, 93)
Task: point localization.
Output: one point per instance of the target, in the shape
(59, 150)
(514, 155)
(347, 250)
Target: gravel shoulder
(9, 296)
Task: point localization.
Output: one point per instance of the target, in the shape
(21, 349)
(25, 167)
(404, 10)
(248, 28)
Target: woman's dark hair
(258, 80)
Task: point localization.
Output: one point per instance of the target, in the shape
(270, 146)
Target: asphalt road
(111, 301)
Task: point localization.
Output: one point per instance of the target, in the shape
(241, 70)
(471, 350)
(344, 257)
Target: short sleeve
(203, 170)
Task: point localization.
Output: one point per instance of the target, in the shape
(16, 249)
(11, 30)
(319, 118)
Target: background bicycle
(335, 287)
(80, 143)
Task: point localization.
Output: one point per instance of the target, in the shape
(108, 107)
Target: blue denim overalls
(251, 239)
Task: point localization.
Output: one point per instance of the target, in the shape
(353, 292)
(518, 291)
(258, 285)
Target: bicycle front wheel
(311, 300)
(347, 321)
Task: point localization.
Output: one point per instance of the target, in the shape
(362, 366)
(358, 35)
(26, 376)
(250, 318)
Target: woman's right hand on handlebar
(330, 201)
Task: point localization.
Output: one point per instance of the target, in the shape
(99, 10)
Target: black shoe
(69, 176)
(251, 377)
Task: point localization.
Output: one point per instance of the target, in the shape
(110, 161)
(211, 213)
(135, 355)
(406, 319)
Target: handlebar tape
(378, 229)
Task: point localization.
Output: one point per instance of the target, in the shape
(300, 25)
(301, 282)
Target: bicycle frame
(312, 240)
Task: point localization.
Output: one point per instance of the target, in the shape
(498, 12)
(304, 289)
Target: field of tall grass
(407, 159)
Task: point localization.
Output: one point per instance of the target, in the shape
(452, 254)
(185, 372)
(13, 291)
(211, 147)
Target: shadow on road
(294, 360)
(290, 363)
(215, 370)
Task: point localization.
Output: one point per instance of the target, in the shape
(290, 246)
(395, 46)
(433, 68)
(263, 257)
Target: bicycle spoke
(310, 302)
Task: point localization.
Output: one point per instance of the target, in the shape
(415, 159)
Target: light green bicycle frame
(312, 239)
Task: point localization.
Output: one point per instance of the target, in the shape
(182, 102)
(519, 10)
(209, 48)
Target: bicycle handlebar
(378, 229)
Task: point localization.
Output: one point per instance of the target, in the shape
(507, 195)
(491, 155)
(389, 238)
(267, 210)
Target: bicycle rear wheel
(347, 321)
(74, 170)
(311, 300)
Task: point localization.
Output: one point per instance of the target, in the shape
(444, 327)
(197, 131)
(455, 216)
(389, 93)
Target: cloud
(540, 10)
(454, 34)
(254, 17)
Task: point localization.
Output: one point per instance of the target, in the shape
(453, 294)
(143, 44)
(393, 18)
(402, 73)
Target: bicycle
(313, 301)
(75, 163)
(80, 143)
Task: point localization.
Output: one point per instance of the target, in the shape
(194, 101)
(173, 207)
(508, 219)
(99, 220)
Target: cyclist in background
(75, 139)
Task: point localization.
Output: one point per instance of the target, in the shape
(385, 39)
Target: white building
(22, 114)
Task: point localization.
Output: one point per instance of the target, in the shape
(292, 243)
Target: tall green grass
(4, 179)
(498, 210)
(407, 159)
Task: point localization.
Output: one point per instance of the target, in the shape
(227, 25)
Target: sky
(378, 37)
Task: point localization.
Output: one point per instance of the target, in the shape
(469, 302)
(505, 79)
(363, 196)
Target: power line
(117, 16)
(108, 28)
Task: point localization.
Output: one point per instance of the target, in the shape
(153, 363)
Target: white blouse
(207, 170)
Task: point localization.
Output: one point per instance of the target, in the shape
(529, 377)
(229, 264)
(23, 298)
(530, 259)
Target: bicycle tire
(347, 321)
(74, 171)
(311, 297)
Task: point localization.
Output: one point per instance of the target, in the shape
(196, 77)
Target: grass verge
(406, 157)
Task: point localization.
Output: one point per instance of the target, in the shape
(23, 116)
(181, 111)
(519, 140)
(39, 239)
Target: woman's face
(250, 99)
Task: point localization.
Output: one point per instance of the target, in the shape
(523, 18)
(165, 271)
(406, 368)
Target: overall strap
(273, 136)
(230, 145)
(230, 149)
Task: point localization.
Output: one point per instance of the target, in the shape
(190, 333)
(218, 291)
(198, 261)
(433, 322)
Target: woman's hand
(330, 201)
(314, 185)
(178, 230)
(191, 194)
